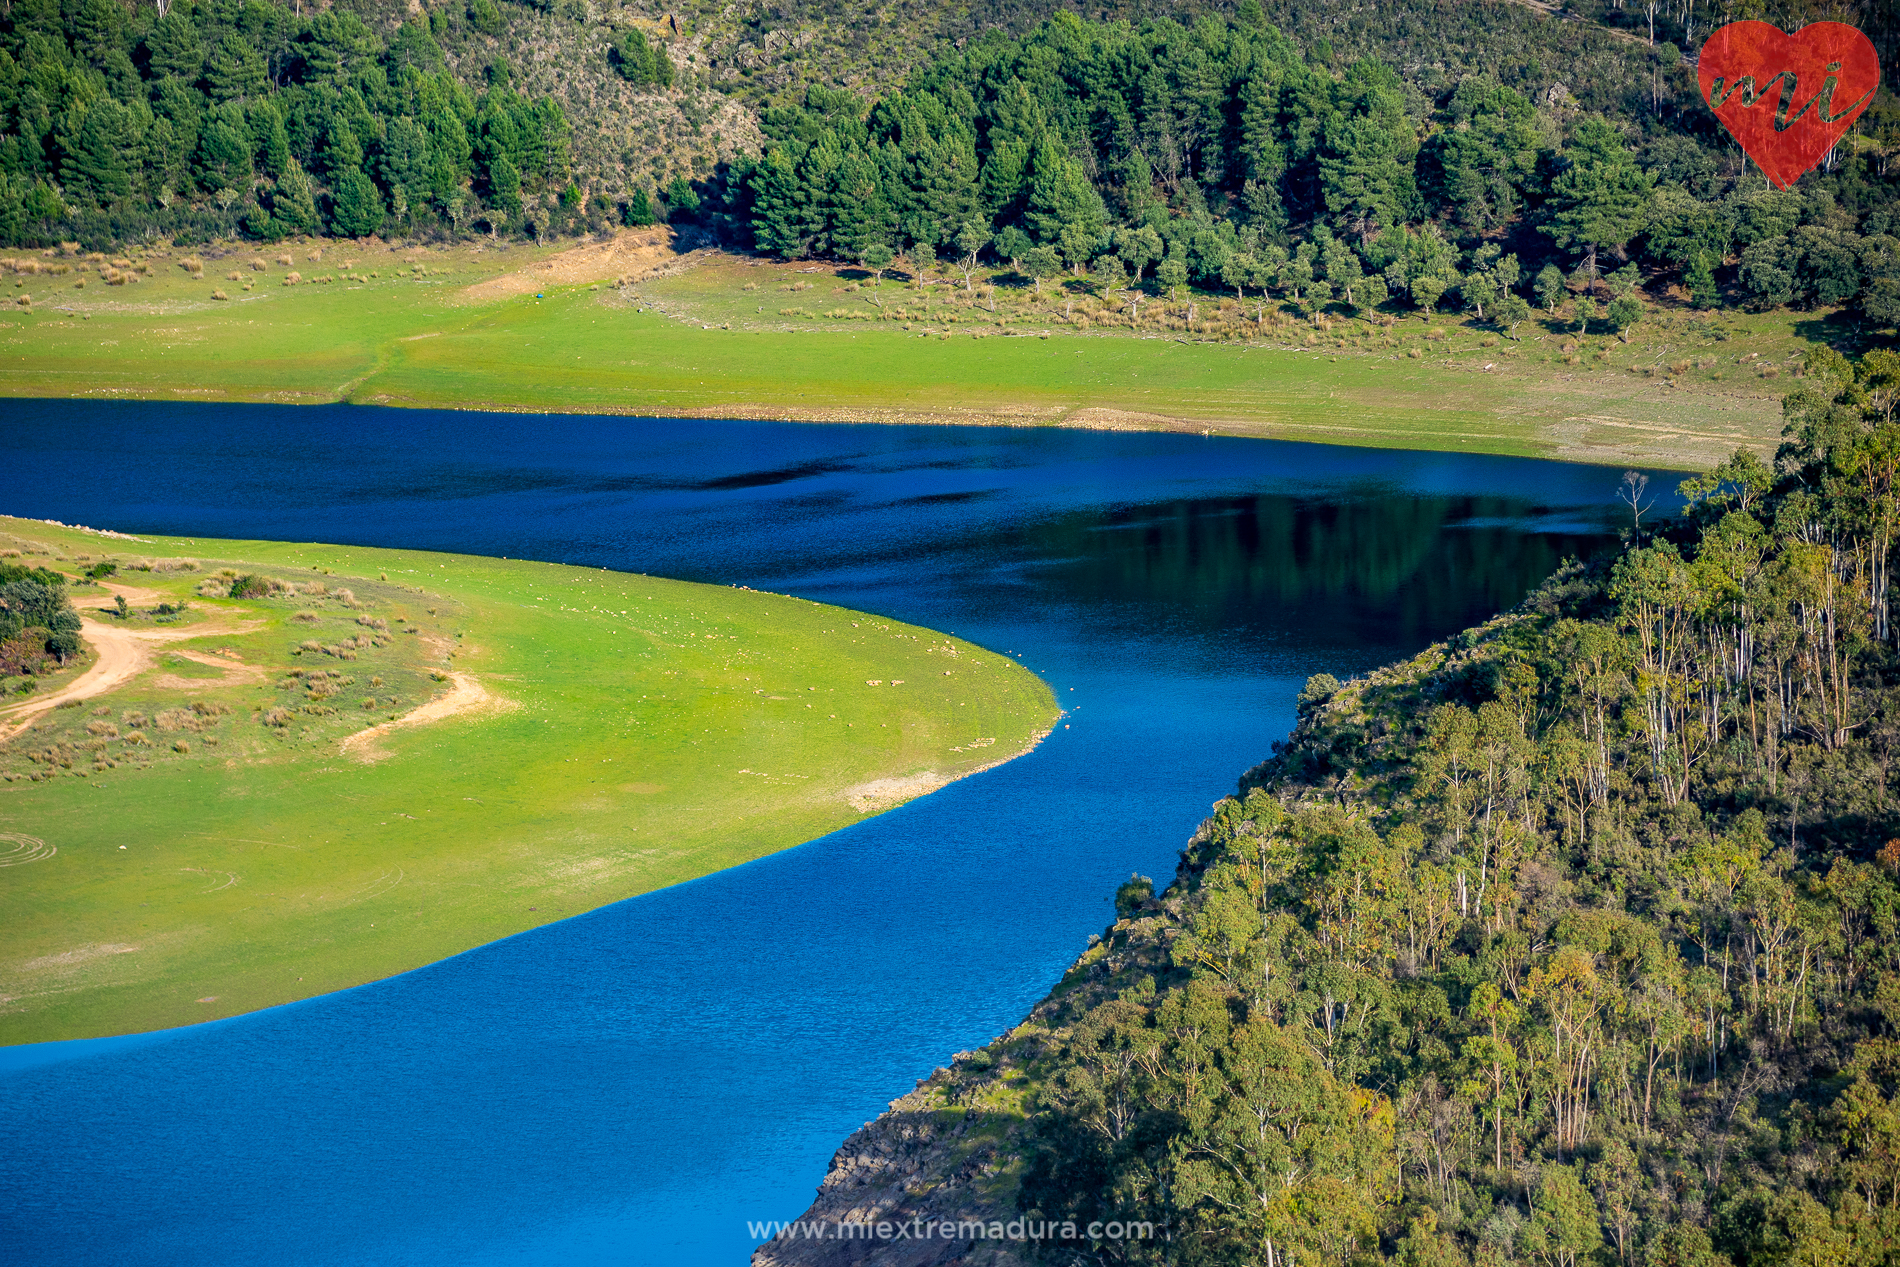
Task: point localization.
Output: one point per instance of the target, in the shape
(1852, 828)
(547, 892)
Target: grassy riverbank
(207, 838)
(716, 335)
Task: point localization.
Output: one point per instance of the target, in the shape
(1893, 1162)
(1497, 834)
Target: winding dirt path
(123, 655)
(466, 696)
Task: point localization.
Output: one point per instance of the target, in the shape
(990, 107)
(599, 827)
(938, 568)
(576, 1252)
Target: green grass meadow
(712, 340)
(642, 732)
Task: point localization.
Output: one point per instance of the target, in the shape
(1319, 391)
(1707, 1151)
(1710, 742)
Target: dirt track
(466, 696)
(123, 655)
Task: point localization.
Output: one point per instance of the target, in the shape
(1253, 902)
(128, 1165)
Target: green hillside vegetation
(201, 841)
(1225, 157)
(1574, 939)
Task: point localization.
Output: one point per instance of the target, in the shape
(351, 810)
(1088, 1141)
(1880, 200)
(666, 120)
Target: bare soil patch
(632, 253)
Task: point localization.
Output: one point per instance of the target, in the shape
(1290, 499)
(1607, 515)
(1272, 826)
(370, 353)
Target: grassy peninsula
(379, 758)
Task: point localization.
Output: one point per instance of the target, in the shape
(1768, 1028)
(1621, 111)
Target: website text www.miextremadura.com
(953, 1229)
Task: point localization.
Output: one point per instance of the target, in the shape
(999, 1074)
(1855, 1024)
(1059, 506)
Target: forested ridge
(1366, 154)
(1224, 155)
(1573, 940)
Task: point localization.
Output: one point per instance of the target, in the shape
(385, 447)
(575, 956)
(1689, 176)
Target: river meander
(633, 1085)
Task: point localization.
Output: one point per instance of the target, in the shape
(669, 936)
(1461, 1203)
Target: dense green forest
(1428, 153)
(1575, 939)
(1226, 156)
(243, 117)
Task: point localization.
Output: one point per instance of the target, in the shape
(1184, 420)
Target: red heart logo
(1787, 98)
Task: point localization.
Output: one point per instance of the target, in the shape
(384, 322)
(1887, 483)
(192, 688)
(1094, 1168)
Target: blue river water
(633, 1085)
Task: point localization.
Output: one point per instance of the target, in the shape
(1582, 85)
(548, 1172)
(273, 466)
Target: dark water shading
(633, 1085)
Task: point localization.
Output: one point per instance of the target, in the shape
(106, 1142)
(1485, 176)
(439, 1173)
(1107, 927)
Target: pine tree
(1060, 194)
(638, 210)
(223, 157)
(504, 185)
(175, 47)
(269, 140)
(236, 70)
(1700, 279)
(96, 164)
(294, 204)
(356, 206)
(1600, 200)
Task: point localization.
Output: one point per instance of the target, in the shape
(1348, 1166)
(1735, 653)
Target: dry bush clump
(234, 276)
(285, 260)
(306, 618)
(310, 644)
(209, 708)
(258, 265)
(136, 738)
(193, 265)
(291, 279)
(102, 730)
(373, 622)
(218, 294)
(176, 719)
(134, 719)
(212, 587)
(276, 718)
(181, 746)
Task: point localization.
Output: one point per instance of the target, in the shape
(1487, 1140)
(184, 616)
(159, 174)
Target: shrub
(1134, 892)
(134, 719)
(181, 746)
(136, 738)
(250, 586)
(275, 717)
(218, 294)
(99, 571)
(1319, 688)
(176, 719)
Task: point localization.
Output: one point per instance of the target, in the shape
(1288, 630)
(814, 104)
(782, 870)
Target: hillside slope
(1572, 939)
